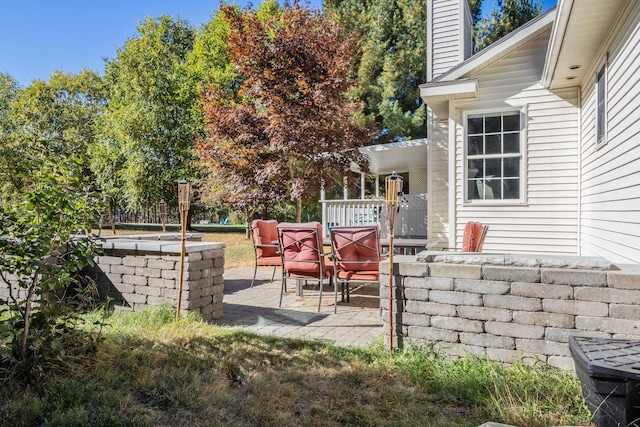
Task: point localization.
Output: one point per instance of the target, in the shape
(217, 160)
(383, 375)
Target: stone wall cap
(628, 268)
(511, 260)
(160, 246)
(400, 259)
(156, 236)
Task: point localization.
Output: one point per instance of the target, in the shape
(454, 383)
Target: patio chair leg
(282, 289)
(320, 297)
(334, 280)
(255, 271)
(273, 276)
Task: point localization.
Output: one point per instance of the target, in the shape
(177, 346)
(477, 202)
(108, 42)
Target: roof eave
(500, 48)
(555, 42)
(440, 91)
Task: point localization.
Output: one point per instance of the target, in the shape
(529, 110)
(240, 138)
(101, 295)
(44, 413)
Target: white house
(538, 135)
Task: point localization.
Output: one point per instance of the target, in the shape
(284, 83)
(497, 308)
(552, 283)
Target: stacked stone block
(19, 294)
(136, 275)
(511, 308)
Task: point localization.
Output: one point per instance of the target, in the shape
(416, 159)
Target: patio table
(408, 246)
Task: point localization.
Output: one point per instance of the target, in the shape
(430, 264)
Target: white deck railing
(411, 220)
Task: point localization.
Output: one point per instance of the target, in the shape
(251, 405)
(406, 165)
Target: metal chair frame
(257, 246)
(311, 239)
(367, 231)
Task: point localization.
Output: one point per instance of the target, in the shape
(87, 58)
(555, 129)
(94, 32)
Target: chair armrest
(265, 245)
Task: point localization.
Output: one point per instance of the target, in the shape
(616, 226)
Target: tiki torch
(184, 190)
(393, 194)
(162, 209)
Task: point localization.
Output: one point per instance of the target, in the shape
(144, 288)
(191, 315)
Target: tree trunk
(298, 210)
(247, 230)
(27, 314)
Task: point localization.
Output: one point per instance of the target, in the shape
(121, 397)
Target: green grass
(154, 370)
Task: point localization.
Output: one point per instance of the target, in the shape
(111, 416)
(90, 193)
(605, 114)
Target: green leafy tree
(54, 117)
(209, 62)
(476, 10)
(8, 92)
(505, 17)
(289, 126)
(145, 135)
(47, 195)
(392, 34)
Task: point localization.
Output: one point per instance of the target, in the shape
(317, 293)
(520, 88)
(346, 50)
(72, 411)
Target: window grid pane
(493, 151)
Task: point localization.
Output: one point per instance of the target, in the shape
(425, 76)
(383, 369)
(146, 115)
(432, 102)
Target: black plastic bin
(609, 371)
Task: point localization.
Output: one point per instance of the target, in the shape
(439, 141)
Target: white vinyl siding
(449, 34)
(467, 35)
(610, 188)
(438, 183)
(547, 221)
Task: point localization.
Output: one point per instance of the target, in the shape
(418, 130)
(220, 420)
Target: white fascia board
(563, 11)
(500, 48)
(449, 90)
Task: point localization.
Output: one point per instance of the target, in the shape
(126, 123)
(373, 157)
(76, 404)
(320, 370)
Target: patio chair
(473, 238)
(301, 250)
(356, 255)
(264, 237)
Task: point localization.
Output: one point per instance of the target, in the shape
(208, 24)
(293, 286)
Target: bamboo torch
(184, 190)
(393, 194)
(162, 209)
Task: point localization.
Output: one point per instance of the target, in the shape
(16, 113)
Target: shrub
(40, 256)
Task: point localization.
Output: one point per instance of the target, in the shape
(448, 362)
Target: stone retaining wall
(137, 274)
(510, 308)
(140, 271)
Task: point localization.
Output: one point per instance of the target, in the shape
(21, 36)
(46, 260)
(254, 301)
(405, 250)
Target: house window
(601, 105)
(494, 156)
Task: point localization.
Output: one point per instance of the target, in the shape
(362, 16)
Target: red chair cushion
(359, 275)
(265, 233)
(328, 272)
(471, 237)
(269, 261)
(301, 248)
(356, 249)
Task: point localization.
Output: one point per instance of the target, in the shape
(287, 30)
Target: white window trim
(604, 64)
(523, 157)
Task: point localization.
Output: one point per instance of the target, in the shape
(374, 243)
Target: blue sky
(38, 37)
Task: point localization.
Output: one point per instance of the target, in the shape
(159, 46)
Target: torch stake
(393, 191)
(183, 197)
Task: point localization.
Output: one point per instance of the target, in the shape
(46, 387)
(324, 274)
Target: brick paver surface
(356, 323)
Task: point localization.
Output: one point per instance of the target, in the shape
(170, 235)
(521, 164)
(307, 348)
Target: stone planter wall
(510, 308)
(137, 274)
(140, 271)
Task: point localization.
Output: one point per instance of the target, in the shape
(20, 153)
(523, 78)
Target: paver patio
(356, 323)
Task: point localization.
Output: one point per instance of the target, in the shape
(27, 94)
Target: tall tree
(209, 63)
(392, 65)
(505, 17)
(8, 91)
(145, 136)
(476, 10)
(289, 126)
(54, 117)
